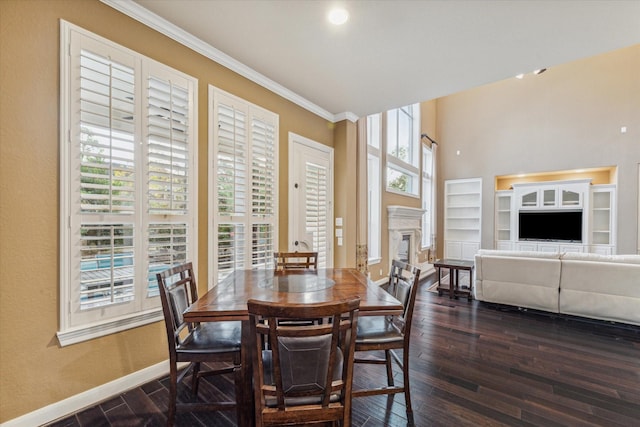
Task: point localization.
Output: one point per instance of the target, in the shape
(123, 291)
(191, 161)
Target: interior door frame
(309, 144)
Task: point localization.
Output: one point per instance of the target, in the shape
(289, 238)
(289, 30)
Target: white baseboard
(426, 269)
(90, 397)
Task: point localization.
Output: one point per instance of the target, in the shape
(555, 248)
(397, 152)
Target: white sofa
(580, 284)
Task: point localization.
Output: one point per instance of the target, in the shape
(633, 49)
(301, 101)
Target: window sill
(85, 333)
(402, 193)
(374, 261)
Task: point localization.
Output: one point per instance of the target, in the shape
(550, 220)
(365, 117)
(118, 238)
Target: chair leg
(405, 371)
(387, 355)
(173, 394)
(195, 378)
(240, 392)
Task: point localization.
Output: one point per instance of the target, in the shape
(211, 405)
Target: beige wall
(345, 192)
(566, 118)
(35, 371)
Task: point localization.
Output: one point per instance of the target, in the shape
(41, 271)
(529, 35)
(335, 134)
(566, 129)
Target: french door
(311, 198)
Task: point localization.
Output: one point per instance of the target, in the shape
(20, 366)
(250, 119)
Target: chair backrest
(178, 290)
(403, 285)
(308, 366)
(296, 260)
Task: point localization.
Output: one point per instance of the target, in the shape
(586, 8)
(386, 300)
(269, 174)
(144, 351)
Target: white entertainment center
(580, 217)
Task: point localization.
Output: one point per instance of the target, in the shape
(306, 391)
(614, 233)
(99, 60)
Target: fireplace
(405, 235)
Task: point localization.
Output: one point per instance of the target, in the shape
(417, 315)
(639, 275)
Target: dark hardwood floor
(472, 364)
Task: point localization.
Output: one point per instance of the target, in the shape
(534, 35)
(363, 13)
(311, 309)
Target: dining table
(227, 300)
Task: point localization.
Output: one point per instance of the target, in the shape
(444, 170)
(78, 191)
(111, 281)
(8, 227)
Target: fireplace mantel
(404, 221)
(403, 217)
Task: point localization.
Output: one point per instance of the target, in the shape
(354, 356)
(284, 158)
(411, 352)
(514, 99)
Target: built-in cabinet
(504, 220)
(602, 230)
(463, 217)
(596, 202)
(551, 196)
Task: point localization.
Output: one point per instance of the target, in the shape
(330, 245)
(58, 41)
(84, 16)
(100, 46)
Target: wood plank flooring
(472, 364)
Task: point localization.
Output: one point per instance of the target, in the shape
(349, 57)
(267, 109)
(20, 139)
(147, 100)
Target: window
(427, 198)
(128, 205)
(243, 185)
(403, 129)
(373, 179)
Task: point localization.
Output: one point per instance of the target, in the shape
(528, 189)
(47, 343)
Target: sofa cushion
(519, 281)
(601, 287)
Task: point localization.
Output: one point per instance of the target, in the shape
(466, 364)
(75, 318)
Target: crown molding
(150, 19)
(345, 116)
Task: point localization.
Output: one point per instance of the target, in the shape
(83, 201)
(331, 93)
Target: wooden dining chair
(390, 333)
(306, 375)
(296, 260)
(288, 262)
(196, 342)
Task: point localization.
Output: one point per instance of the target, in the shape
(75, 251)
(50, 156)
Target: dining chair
(306, 375)
(296, 260)
(196, 343)
(288, 262)
(390, 333)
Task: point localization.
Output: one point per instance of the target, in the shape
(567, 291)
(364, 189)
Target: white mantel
(404, 220)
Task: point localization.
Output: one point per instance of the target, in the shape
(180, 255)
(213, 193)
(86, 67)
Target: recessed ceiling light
(540, 71)
(520, 76)
(338, 16)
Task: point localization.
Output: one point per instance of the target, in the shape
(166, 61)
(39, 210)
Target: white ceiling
(391, 53)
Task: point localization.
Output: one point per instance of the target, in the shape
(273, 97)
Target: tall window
(403, 134)
(128, 205)
(373, 179)
(427, 192)
(243, 185)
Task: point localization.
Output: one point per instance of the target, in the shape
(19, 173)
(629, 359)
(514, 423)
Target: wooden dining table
(228, 301)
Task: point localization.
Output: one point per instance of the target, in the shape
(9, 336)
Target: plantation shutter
(231, 161)
(170, 173)
(126, 183)
(262, 190)
(103, 155)
(244, 185)
(107, 135)
(316, 209)
(167, 247)
(168, 149)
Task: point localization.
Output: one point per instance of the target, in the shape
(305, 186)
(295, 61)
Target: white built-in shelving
(463, 217)
(597, 203)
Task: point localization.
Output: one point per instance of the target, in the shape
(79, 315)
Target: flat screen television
(563, 226)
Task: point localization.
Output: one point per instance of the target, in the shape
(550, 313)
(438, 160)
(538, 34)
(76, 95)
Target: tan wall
(345, 192)
(566, 118)
(35, 371)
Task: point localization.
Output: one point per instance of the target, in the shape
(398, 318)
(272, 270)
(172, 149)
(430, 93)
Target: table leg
(246, 399)
(456, 287)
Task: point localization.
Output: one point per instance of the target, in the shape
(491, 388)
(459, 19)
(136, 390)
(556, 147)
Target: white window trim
(146, 312)
(414, 174)
(373, 152)
(411, 169)
(427, 177)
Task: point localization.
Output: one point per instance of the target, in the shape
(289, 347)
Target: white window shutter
(127, 183)
(168, 147)
(244, 185)
(231, 161)
(107, 134)
(316, 182)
